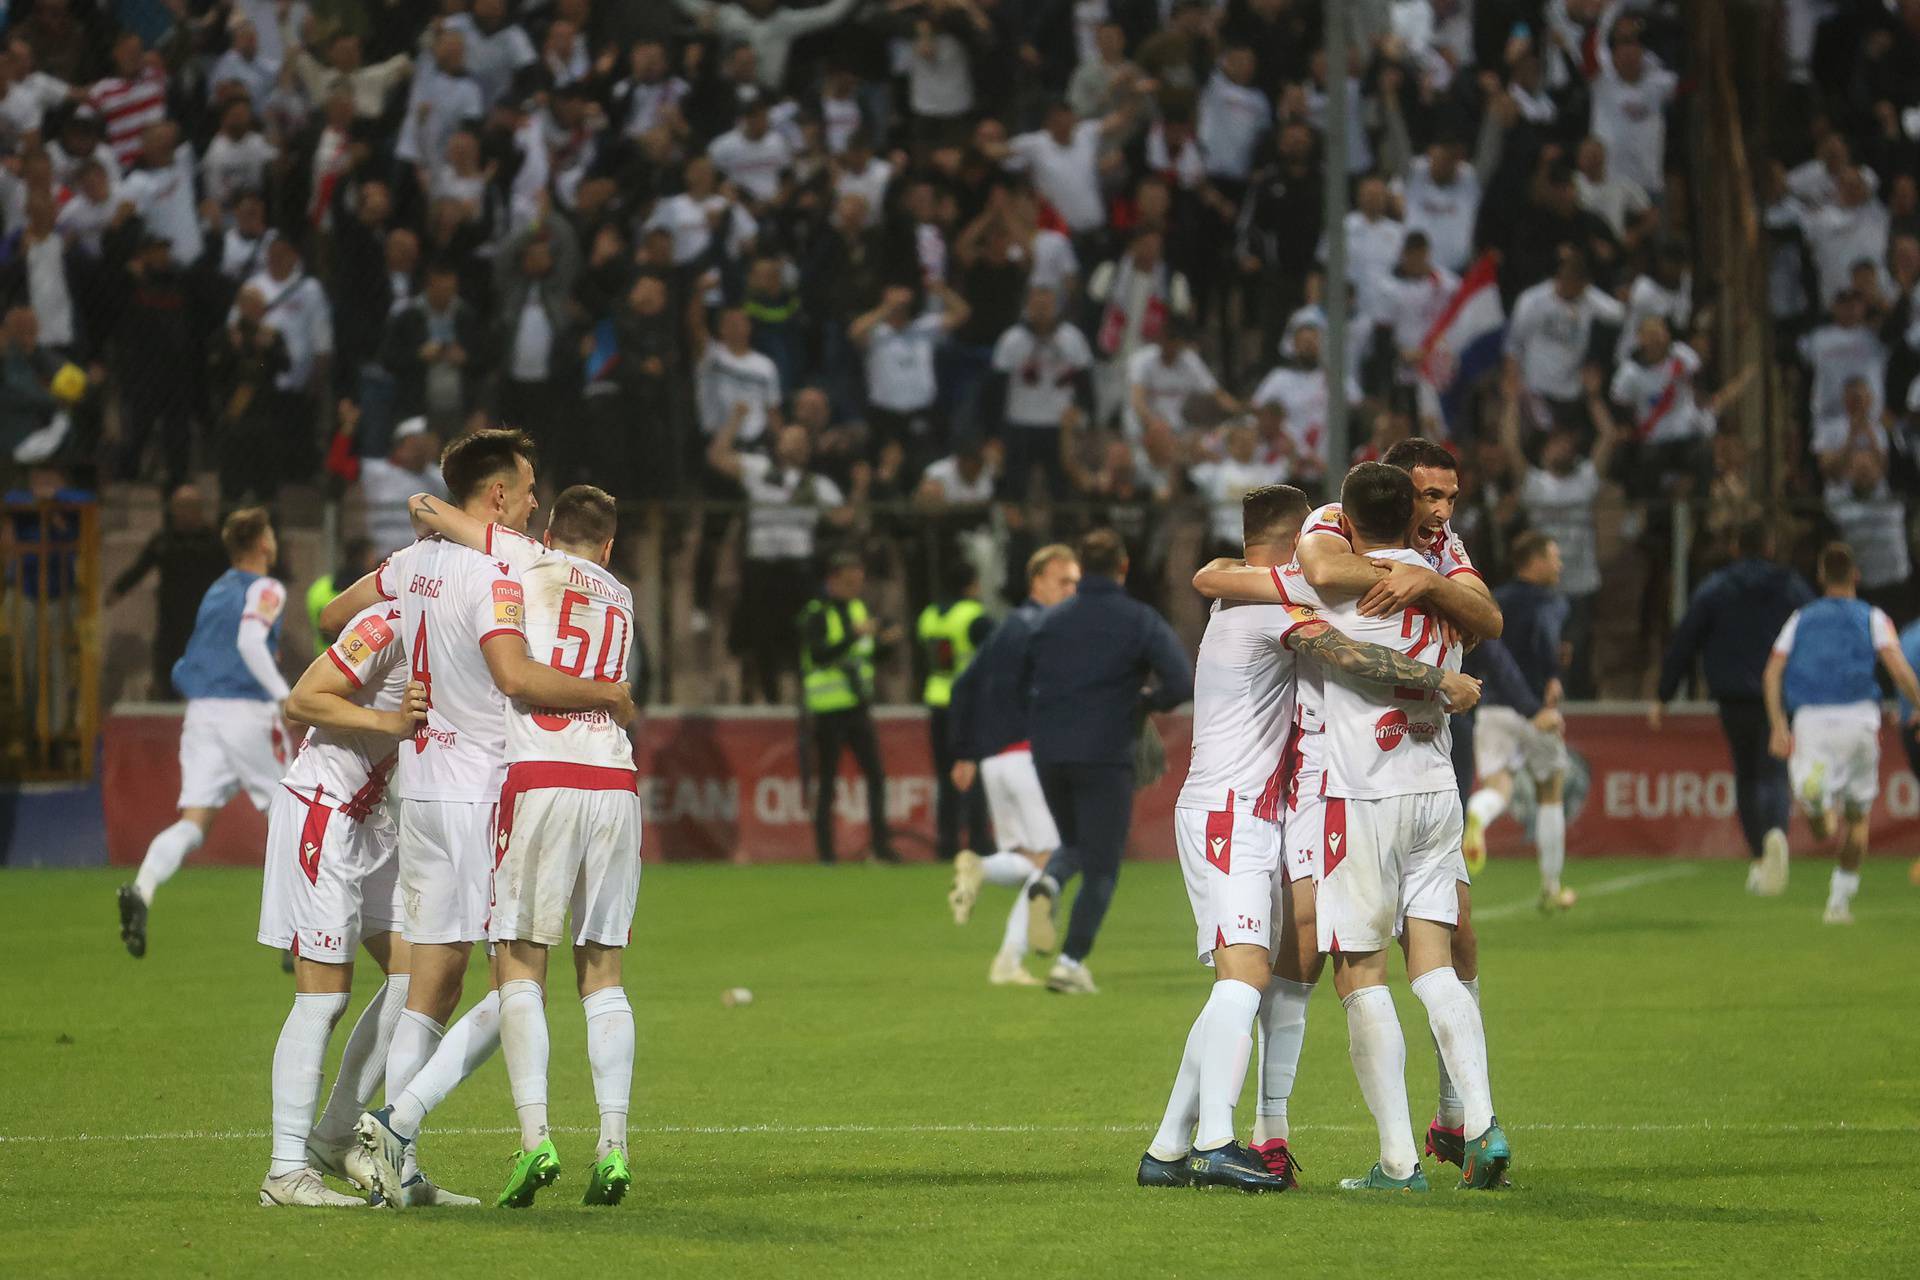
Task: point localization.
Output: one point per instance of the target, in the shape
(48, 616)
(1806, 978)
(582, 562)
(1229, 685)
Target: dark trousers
(834, 732)
(1028, 448)
(1092, 804)
(951, 806)
(145, 412)
(1760, 787)
(1463, 754)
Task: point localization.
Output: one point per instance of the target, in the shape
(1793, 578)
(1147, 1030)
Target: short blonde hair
(1037, 562)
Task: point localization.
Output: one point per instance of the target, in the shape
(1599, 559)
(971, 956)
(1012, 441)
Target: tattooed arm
(1376, 664)
(432, 515)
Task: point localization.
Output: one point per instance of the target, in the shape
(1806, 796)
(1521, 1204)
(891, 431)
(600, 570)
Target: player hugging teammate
(1368, 817)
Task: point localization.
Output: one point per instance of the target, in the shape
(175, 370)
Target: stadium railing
(50, 658)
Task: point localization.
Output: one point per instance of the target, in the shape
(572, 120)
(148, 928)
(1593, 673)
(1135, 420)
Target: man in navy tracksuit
(1087, 684)
(1730, 624)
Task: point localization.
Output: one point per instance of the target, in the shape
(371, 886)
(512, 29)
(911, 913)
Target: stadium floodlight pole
(1334, 290)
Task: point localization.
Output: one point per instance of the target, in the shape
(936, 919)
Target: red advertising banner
(726, 786)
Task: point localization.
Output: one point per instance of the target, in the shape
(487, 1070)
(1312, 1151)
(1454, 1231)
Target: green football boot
(1377, 1180)
(532, 1170)
(1487, 1158)
(610, 1179)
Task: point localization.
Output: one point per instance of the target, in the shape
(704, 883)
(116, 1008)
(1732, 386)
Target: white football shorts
(1387, 860)
(446, 856)
(1303, 818)
(1231, 864)
(229, 745)
(331, 881)
(566, 849)
(1835, 762)
(1021, 819)
(1505, 741)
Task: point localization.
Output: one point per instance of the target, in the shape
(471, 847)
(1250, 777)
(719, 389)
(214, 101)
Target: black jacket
(1731, 624)
(1087, 670)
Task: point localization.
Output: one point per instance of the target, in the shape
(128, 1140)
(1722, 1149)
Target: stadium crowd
(927, 274)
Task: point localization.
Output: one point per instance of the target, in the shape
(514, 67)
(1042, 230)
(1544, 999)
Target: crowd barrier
(725, 786)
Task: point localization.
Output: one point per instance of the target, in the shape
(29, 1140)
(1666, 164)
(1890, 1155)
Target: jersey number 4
(616, 636)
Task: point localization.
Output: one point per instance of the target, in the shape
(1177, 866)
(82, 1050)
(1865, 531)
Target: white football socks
(468, 1043)
(164, 856)
(1486, 805)
(1454, 1017)
(1283, 1029)
(298, 1058)
(1550, 834)
(1225, 1049)
(1451, 1112)
(1379, 1053)
(1842, 887)
(363, 1066)
(523, 1042)
(1013, 941)
(1006, 869)
(1183, 1104)
(610, 1054)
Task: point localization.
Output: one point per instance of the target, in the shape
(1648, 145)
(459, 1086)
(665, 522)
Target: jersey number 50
(616, 637)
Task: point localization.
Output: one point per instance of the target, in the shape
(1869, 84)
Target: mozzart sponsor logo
(1390, 728)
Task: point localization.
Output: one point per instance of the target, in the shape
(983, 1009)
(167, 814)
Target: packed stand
(944, 277)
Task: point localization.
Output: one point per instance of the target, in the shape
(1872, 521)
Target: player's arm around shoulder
(524, 680)
(1237, 580)
(324, 698)
(1379, 665)
(437, 516)
(362, 595)
(1334, 569)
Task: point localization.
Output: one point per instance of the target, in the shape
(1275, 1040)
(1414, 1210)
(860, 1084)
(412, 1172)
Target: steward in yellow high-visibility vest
(839, 639)
(950, 632)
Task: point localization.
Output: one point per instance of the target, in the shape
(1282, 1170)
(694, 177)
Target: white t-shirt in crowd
(1040, 372)
(1067, 176)
(724, 380)
(1444, 211)
(1836, 355)
(954, 485)
(1168, 386)
(1561, 506)
(784, 507)
(385, 489)
(900, 375)
(1301, 395)
(756, 165)
(1875, 526)
(1660, 396)
(1223, 484)
(1229, 124)
(1631, 119)
(1839, 236)
(1549, 336)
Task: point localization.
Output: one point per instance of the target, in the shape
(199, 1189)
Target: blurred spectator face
(754, 122)
(764, 279)
(1153, 201)
(1849, 308)
(1060, 122)
(80, 136)
(1416, 257)
(1056, 581)
(656, 248)
(463, 153)
(443, 287)
(186, 508)
(793, 448)
(93, 182)
(647, 61)
(1238, 63)
(246, 41)
(1857, 396)
(699, 174)
(536, 260)
(1654, 337)
(1904, 258)
(1443, 161)
(1864, 280)
(251, 306)
(1043, 311)
(1306, 344)
(45, 483)
(1864, 472)
(1591, 159)
(344, 52)
(1296, 143)
(919, 202)
(989, 134)
(1903, 196)
(1241, 442)
(1570, 276)
(811, 410)
(1544, 568)
(1146, 251)
(491, 15)
(1850, 188)
(1111, 40)
(236, 119)
(736, 330)
(127, 56)
(1835, 157)
(743, 65)
(847, 581)
(1629, 55)
(648, 297)
(282, 258)
(403, 251)
(560, 38)
(1371, 198)
(415, 451)
(1561, 453)
(899, 300)
(970, 462)
(376, 203)
(156, 144)
(450, 52)
(850, 214)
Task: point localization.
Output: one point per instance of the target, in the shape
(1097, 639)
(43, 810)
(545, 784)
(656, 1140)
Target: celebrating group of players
(1321, 816)
(466, 777)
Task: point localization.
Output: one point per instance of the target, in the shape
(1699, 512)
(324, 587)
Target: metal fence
(49, 640)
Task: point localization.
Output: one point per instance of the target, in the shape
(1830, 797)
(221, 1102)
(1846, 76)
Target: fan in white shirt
(1292, 401)
(1223, 483)
(1617, 201)
(1233, 116)
(386, 484)
(1630, 95)
(1162, 377)
(443, 98)
(899, 347)
(1064, 161)
(1851, 229)
(1836, 353)
(1441, 197)
(1816, 183)
(1373, 239)
(495, 47)
(1655, 386)
(1551, 329)
(732, 378)
(1836, 439)
(1408, 301)
(697, 215)
(237, 157)
(1667, 293)
(858, 171)
(1043, 359)
(752, 155)
(160, 189)
(652, 93)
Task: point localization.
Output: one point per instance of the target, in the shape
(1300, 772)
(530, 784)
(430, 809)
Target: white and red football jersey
(352, 769)
(453, 600)
(580, 623)
(1445, 555)
(1243, 696)
(1396, 745)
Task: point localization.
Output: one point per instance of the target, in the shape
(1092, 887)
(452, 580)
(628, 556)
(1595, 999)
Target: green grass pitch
(1696, 1083)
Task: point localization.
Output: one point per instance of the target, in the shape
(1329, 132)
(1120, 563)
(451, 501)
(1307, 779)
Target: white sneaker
(348, 1163)
(1755, 880)
(1069, 979)
(303, 1189)
(1838, 913)
(1043, 934)
(1773, 863)
(1008, 971)
(967, 878)
(422, 1194)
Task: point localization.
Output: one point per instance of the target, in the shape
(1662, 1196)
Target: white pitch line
(1619, 884)
(803, 1130)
